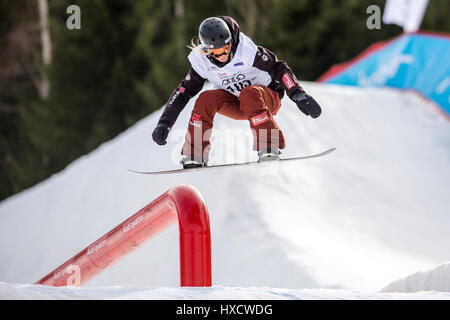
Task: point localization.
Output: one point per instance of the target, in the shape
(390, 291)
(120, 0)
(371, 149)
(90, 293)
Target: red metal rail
(183, 203)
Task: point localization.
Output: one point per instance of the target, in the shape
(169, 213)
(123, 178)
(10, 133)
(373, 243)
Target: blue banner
(413, 61)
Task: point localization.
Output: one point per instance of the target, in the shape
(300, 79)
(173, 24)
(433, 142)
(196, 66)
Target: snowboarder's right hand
(160, 134)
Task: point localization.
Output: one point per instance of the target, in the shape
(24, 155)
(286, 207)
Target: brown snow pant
(257, 104)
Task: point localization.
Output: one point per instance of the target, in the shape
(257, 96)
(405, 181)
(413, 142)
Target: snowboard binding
(191, 161)
(268, 154)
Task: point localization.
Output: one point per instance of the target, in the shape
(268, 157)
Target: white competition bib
(235, 75)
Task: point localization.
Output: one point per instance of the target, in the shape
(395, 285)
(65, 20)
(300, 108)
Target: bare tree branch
(44, 86)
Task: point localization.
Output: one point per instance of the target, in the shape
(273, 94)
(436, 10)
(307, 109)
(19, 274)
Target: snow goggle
(219, 51)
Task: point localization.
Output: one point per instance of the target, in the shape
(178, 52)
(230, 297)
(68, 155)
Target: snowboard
(321, 154)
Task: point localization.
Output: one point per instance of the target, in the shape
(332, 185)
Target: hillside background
(129, 55)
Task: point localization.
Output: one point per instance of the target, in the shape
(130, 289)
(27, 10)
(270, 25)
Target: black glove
(306, 104)
(160, 134)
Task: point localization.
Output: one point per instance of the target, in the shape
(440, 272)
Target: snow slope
(37, 292)
(436, 279)
(373, 211)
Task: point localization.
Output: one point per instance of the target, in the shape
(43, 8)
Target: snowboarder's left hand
(306, 104)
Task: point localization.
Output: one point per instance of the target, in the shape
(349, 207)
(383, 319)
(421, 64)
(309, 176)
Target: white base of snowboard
(233, 164)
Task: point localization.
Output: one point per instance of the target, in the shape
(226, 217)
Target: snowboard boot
(268, 154)
(191, 161)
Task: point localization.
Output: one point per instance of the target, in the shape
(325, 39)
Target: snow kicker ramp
(373, 211)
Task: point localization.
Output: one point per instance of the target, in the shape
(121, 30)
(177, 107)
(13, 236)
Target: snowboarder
(250, 82)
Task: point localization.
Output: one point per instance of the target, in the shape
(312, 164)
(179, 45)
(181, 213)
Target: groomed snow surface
(36, 292)
(368, 221)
